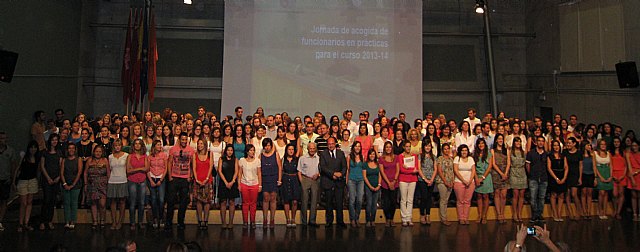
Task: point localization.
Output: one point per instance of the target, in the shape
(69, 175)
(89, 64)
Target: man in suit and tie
(333, 169)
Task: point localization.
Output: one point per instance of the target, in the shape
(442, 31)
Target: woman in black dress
(290, 190)
(558, 170)
(228, 189)
(574, 178)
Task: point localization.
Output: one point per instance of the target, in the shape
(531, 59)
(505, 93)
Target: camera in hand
(531, 230)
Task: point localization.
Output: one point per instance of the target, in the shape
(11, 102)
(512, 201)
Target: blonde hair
(410, 133)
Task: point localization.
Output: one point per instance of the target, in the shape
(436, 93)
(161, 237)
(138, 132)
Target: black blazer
(330, 165)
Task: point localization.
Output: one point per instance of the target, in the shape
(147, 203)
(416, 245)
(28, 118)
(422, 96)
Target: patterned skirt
(203, 193)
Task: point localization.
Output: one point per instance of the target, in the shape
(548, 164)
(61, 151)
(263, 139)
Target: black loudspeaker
(7, 65)
(627, 74)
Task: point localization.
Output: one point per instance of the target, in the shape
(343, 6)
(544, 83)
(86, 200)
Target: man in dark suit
(333, 169)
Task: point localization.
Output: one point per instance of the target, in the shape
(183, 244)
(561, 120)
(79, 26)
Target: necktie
(333, 155)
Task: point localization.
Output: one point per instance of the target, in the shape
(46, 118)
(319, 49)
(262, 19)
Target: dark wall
(46, 35)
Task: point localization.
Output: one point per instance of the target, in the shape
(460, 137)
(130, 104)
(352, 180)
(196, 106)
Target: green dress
(487, 183)
(517, 174)
(501, 163)
(602, 164)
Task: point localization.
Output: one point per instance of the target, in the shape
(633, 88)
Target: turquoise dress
(238, 149)
(481, 167)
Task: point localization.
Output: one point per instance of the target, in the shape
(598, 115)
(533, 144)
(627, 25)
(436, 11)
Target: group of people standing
(141, 160)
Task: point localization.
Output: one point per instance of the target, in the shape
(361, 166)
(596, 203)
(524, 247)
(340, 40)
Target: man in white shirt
(272, 129)
(573, 122)
(364, 119)
(353, 126)
(309, 137)
(309, 174)
(472, 119)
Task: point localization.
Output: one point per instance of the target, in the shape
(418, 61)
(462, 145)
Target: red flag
(125, 76)
(137, 63)
(153, 56)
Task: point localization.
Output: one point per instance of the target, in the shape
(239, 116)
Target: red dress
(618, 167)
(203, 193)
(634, 159)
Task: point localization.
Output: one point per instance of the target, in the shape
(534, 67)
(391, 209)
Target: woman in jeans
(389, 173)
(425, 186)
(50, 170)
(355, 164)
(70, 172)
(372, 179)
(117, 188)
(137, 168)
(444, 181)
(157, 173)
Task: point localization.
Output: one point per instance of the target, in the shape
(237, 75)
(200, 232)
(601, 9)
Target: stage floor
(594, 235)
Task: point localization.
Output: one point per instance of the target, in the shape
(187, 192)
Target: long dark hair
(426, 141)
(36, 156)
(352, 155)
(286, 155)
(513, 147)
(241, 136)
(49, 147)
(224, 153)
(495, 143)
(481, 155)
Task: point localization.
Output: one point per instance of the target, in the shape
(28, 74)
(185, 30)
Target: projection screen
(323, 55)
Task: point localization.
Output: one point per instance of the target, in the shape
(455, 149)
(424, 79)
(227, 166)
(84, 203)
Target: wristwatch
(483, 177)
(518, 246)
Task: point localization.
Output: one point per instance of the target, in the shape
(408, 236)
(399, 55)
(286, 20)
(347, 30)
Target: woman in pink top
(633, 162)
(389, 172)
(202, 186)
(157, 173)
(409, 166)
(364, 138)
(619, 174)
(137, 168)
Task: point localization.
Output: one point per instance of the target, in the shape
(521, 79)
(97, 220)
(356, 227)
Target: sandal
(51, 226)
(102, 225)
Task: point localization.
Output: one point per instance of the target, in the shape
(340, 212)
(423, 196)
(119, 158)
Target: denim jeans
(538, 191)
(136, 197)
(356, 191)
(372, 200)
(157, 199)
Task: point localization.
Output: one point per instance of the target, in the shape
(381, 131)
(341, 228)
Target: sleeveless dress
(203, 193)
(557, 166)
(269, 170)
(573, 161)
(487, 184)
(517, 173)
(291, 189)
(635, 167)
(96, 182)
(501, 163)
(238, 149)
(228, 169)
(588, 175)
(603, 166)
(618, 165)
